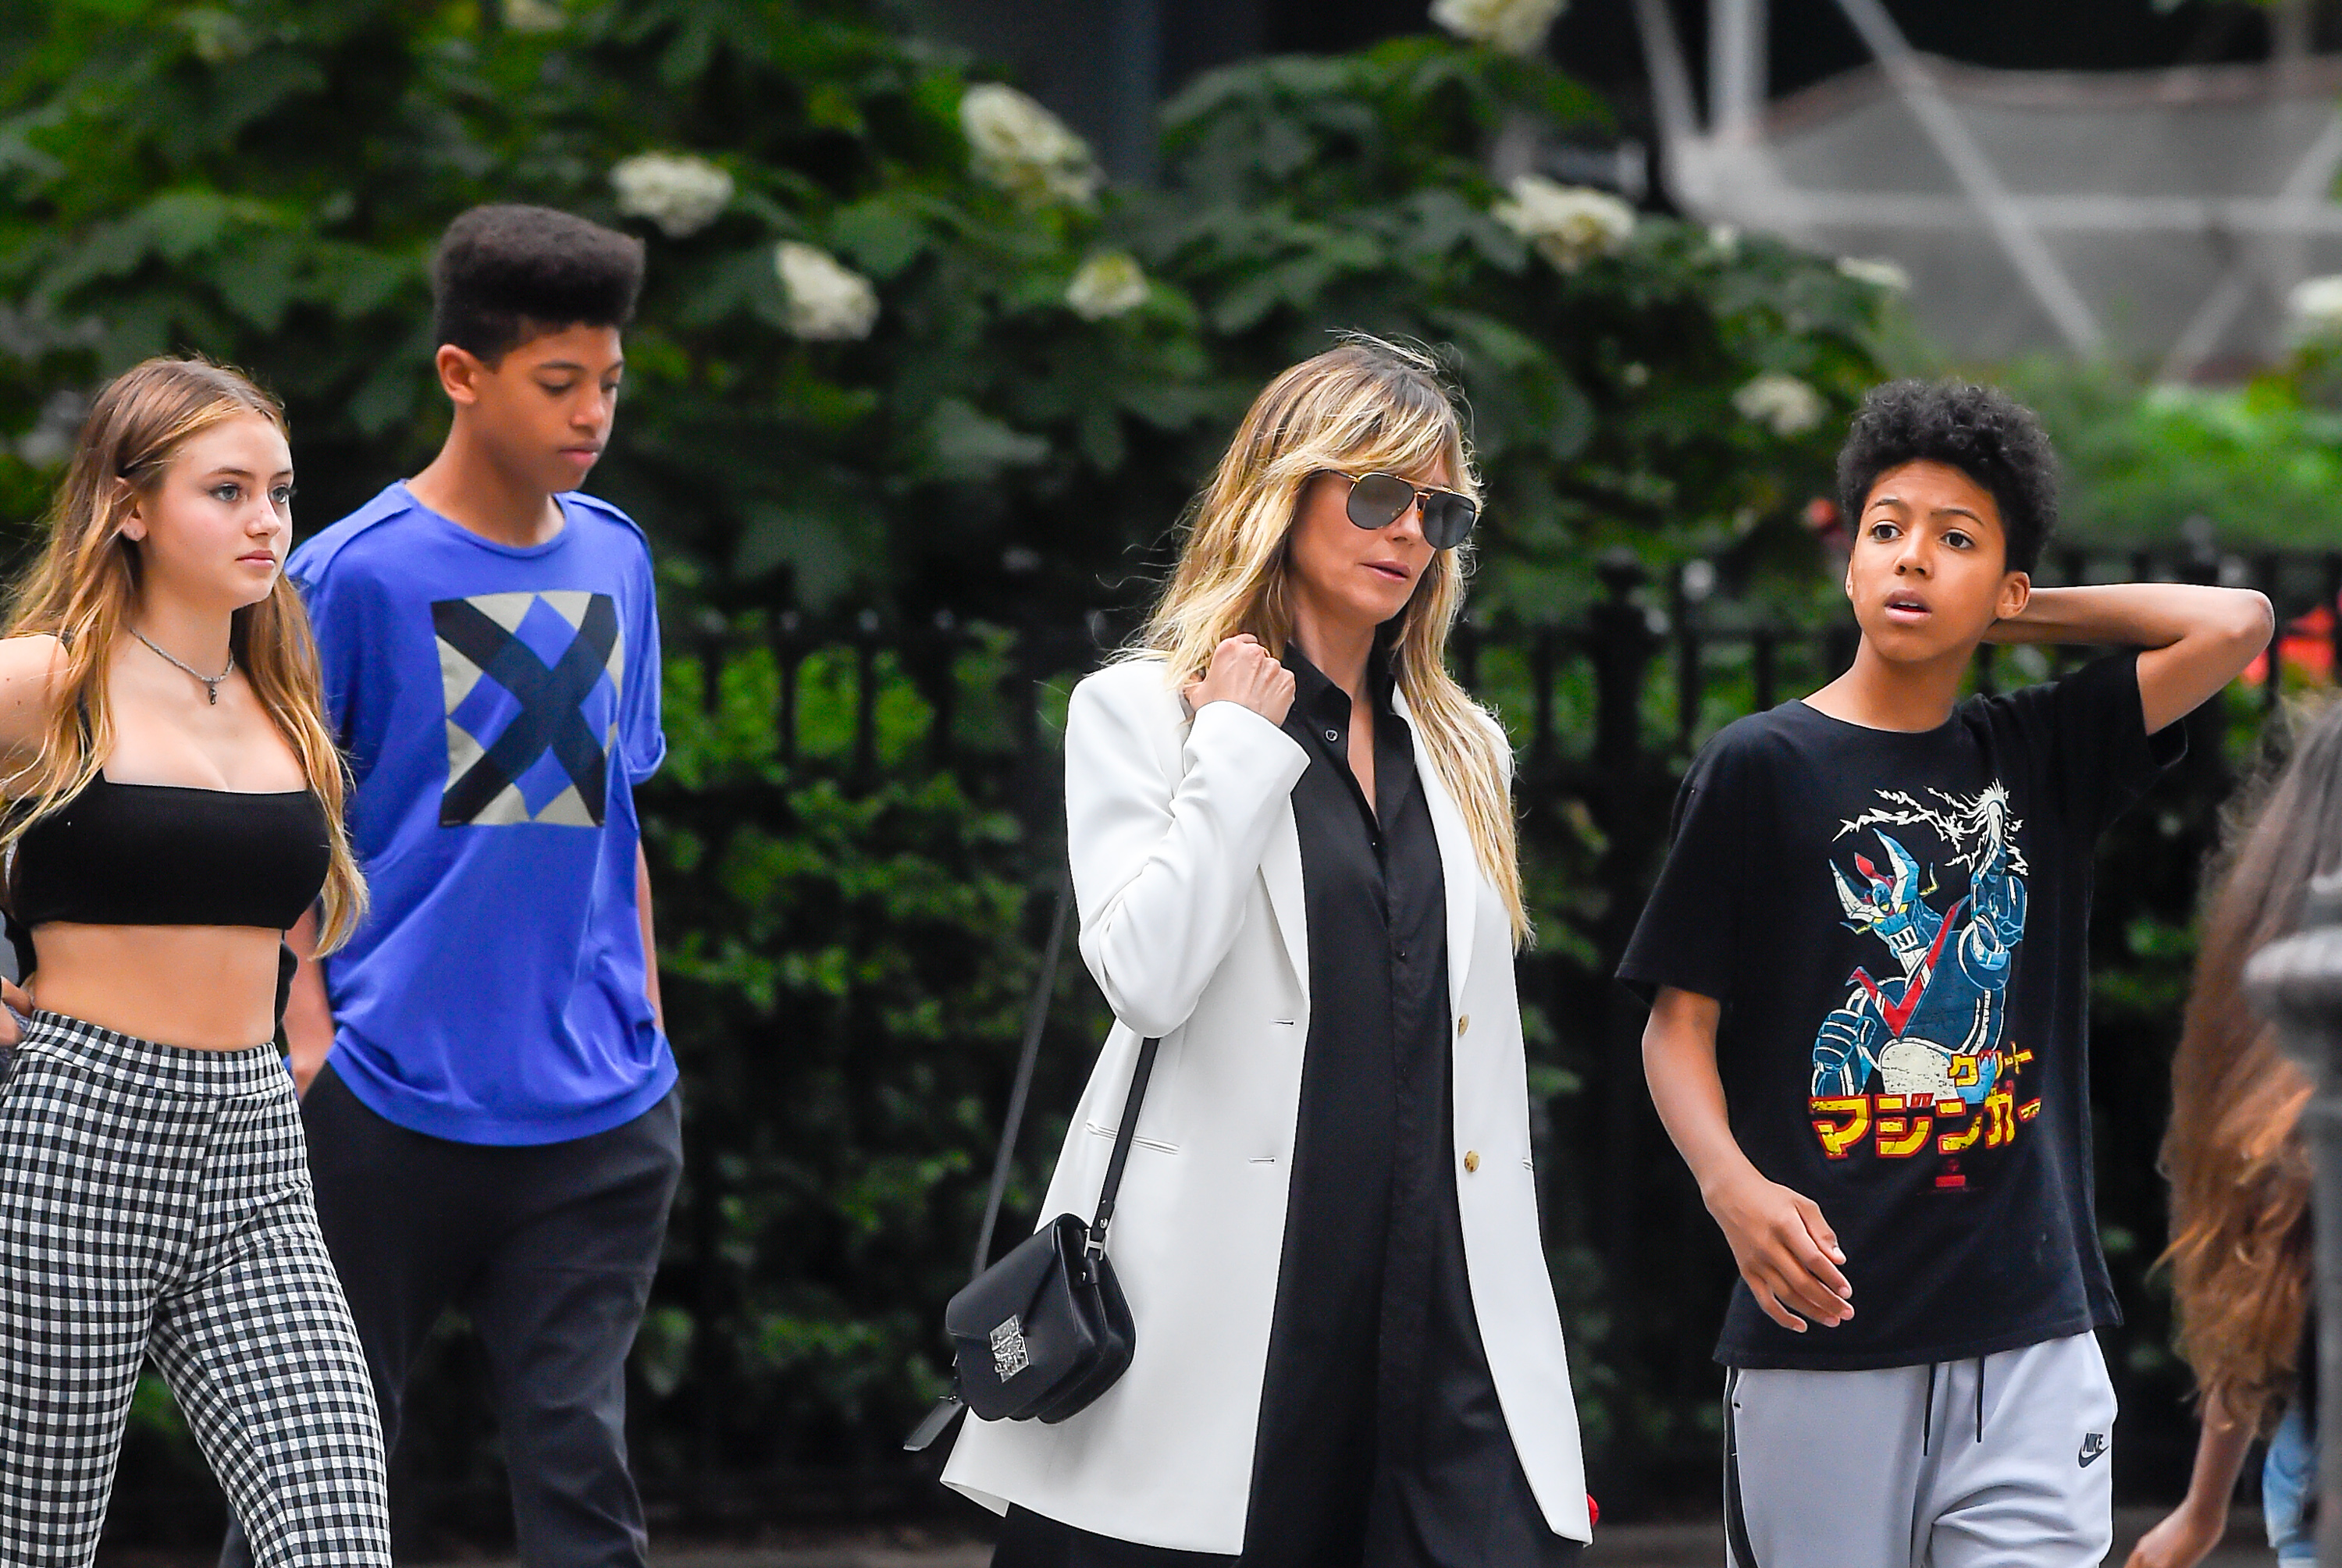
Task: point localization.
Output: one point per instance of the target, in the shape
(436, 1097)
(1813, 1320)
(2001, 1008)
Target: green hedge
(986, 393)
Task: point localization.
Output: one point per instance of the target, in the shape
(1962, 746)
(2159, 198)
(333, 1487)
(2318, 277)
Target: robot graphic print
(1915, 1059)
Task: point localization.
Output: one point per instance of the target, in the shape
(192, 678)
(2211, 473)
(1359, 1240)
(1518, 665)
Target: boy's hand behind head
(542, 411)
(1928, 575)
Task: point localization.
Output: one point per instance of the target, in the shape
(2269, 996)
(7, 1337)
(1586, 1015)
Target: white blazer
(1188, 876)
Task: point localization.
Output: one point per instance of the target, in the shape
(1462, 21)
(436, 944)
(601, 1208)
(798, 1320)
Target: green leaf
(965, 444)
(883, 235)
(389, 395)
(811, 544)
(260, 286)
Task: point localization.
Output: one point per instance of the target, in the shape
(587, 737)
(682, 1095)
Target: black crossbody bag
(1040, 1334)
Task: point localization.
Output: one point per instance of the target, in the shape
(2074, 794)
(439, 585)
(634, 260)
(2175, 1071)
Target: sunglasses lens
(1378, 499)
(1447, 520)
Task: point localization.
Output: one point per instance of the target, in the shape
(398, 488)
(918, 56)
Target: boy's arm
(1785, 1250)
(2197, 639)
(650, 944)
(309, 1016)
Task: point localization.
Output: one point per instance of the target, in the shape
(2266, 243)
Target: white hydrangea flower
(535, 15)
(2315, 307)
(1024, 149)
(1724, 239)
(1569, 225)
(681, 194)
(217, 36)
(1783, 404)
(828, 302)
(1515, 26)
(1877, 272)
(1108, 283)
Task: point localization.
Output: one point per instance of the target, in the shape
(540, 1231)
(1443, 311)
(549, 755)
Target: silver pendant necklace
(211, 683)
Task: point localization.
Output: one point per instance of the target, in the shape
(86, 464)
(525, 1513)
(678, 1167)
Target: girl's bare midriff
(205, 987)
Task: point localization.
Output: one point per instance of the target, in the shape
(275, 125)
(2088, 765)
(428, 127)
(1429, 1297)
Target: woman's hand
(1241, 672)
(18, 1006)
(2185, 1538)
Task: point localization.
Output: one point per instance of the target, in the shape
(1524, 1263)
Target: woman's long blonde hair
(1364, 406)
(2239, 1172)
(84, 587)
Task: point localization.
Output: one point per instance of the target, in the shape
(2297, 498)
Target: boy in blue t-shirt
(490, 1098)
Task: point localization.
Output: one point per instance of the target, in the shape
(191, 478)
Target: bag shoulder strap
(1122, 1141)
(1037, 1015)
(1044, 987)
(1019, 1095)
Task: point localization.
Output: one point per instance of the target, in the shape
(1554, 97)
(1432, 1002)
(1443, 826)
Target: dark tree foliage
(876, 533)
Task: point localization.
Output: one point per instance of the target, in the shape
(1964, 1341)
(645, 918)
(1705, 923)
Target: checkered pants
(155, 1200)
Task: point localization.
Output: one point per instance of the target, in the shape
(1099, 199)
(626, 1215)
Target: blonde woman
(174, 803)
(1293, 854)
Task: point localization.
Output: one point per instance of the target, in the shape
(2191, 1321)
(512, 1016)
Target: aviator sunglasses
(1379, 500)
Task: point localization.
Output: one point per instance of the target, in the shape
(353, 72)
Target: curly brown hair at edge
(2239, 1170)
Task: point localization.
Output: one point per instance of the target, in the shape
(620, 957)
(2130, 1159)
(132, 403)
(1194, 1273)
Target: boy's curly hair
(1981, 430)
(504, 273)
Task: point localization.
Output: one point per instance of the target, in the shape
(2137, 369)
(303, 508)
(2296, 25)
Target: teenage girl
(2240, 1177)
(172, 805)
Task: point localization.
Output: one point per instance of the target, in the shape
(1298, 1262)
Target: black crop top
(165, 854)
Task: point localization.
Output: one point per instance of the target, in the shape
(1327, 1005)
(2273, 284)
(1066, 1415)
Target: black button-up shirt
(1381, 1439)
(1371, 880)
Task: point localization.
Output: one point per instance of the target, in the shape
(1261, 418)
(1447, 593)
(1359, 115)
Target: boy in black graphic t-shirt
(1868, 1033)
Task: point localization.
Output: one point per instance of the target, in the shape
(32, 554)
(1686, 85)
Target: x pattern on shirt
(525, 676)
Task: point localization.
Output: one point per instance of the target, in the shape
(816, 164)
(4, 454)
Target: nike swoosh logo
(2093, 1448)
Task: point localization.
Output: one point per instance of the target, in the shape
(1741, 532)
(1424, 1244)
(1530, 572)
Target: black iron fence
(862, 715)
(1605, 710)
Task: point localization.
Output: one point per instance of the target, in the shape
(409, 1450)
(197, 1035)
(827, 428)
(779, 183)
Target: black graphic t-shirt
(1897, 926)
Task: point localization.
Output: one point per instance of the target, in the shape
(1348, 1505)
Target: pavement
(1615, 1547)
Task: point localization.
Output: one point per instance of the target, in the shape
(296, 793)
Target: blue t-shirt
(498, 705)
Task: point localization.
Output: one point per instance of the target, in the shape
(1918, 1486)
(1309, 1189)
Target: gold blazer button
(1471, 1159)
(1464, 1025)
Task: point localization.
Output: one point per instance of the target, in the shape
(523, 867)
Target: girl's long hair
(84, 592)
(1364, 406)
(2240, 1175)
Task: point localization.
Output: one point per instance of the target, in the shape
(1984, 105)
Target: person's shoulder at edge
(1755, 736)
(315, 556)
(1500, 739)
(1137, 681)
(2101, 675)
(593, 508)
(1131, 696)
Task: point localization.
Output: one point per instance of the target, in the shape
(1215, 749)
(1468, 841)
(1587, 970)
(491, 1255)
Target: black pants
(549, 1249)
(1029, 1541)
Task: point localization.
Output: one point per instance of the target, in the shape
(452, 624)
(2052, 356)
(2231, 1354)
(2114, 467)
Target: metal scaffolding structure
(2164, 217)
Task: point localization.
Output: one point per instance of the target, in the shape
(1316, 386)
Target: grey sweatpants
(1996, 1461)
